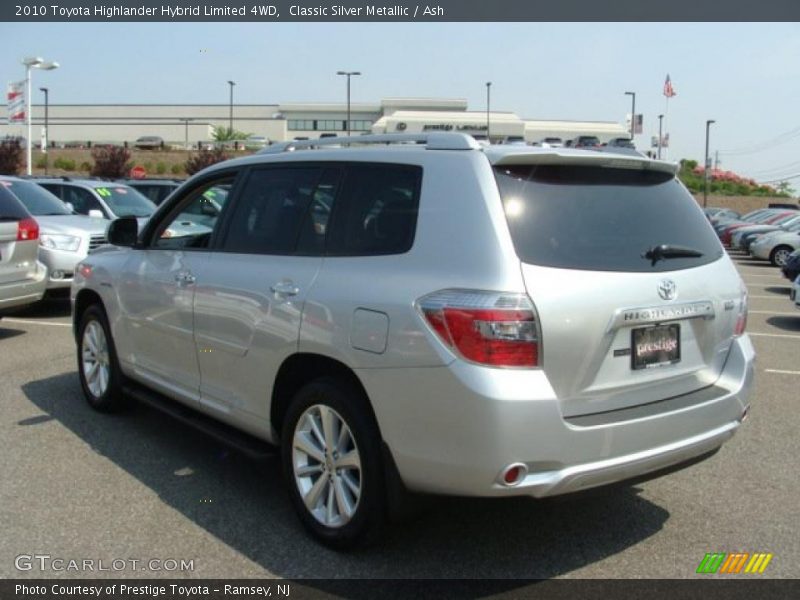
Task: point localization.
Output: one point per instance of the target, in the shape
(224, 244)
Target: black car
(792, 267)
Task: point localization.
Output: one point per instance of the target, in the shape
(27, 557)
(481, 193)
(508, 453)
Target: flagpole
(665, 149)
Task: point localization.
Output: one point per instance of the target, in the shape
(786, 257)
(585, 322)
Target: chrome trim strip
(626, 317)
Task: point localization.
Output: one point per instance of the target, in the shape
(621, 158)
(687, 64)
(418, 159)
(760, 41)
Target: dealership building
(188, 124)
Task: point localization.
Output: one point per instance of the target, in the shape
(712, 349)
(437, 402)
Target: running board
(230, 436)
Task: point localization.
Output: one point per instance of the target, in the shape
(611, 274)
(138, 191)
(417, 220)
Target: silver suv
(64, 237)
(427, 315)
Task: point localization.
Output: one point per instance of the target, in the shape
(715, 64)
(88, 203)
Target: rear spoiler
(588, 158)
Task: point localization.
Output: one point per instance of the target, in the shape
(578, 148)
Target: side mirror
(96, 214)
(123, 232)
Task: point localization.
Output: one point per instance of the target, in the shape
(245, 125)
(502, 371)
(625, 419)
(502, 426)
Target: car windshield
(124, 201)
(36, 199)
(602, 219)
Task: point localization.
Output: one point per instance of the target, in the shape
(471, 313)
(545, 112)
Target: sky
(745, 76)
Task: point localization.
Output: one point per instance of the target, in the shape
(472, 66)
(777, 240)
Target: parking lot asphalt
(80, 485)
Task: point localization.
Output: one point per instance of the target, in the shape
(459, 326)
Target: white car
(776, 247)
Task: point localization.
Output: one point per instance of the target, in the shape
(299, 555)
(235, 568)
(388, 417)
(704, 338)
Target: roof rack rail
(432, 141)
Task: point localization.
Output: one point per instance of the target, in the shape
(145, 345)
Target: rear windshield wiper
(664, 251)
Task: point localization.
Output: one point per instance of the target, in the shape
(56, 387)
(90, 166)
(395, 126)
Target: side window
(192, 222)
(376, 211)
(57, 190)
(81, 200)
(271, 210)
(311, 240)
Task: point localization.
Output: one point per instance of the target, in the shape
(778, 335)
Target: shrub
(85, 166)
(161, 167)
(41, 162)
(111, 161)
(177, 169)
(10, 157)
(65, 164)
(204, 158)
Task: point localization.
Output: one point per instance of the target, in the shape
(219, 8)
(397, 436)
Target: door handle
(185, 278)
(285, 288)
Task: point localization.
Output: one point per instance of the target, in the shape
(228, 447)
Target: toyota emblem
(667, 289)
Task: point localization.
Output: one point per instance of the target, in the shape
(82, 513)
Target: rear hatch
(19, 246)
(636, 300)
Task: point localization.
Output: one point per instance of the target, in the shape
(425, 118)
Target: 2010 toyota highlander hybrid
(422, 310)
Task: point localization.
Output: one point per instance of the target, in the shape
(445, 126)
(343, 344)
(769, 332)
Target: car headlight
(70, 243)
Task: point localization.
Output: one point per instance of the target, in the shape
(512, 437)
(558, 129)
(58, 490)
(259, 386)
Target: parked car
(256, 142)
(155, 190)
(149, 142)
(345, 308)
(727, 231)
(620, 142)
(102, 199)
(791, 269)
(716, 214)
(23, 277)
(64, 237)
(586, 141)
(776, 248)
(552, 142)
(737, 238)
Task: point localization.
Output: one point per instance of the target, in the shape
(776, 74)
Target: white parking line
(28, 322)
(774, 335)
(772, 312)
(782, 372)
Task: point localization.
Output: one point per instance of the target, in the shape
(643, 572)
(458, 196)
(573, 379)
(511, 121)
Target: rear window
(602, 219)
(11, 209)
(36, 199)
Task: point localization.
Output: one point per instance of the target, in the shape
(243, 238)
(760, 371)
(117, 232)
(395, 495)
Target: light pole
(185, 121)
(705, 169)
(230, 114)
(660, 122)
(33, 62)
(348, 74)
(46, 136)
(633, 112)
(488, 107)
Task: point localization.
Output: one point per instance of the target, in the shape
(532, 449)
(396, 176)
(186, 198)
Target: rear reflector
(490, 328)
(27, 230)
(741, 317)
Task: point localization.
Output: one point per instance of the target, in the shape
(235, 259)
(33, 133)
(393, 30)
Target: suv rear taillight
(27, 230)
(741, 316)
(490, 328)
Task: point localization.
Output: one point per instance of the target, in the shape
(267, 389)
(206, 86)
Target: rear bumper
(26, 291)
(454, 429)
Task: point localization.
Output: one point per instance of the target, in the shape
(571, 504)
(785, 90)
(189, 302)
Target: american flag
(669, 91)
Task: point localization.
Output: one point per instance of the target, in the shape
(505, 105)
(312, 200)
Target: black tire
(779, 255)
(111, 399)
(369, 518)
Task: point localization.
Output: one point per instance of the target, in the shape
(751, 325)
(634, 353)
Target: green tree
(226, 134)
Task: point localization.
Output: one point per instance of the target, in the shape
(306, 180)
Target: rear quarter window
(376, 211)
(602, 219)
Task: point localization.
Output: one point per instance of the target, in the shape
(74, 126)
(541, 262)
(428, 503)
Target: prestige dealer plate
(655, 346)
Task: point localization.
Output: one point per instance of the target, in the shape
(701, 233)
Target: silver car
(64, 237)
(427, 315)
(22, 277)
